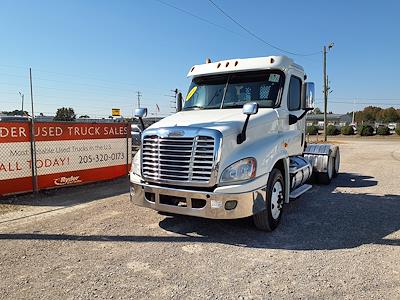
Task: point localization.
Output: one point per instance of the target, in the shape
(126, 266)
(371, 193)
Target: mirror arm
(293, 119)
(306, 110)
(241, 137)
(141, 123)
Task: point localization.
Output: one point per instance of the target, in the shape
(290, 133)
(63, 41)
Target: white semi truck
(237, 148)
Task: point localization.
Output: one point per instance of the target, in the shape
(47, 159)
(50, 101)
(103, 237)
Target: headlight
(243, 169)
(135, 168)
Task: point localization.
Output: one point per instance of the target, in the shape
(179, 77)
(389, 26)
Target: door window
(294, 95)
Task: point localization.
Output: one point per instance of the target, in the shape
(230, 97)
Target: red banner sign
(66, 154)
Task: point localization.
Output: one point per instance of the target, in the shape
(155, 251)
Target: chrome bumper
(247, 204)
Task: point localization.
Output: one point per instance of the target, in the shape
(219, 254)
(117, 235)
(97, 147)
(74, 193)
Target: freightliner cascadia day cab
(237, 148)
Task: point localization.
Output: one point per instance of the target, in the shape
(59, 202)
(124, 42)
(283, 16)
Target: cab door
(296, 136)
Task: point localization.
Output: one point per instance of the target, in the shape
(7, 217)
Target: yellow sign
(116, 112)
(190, 94)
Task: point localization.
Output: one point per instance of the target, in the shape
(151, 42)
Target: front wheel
(269, 218)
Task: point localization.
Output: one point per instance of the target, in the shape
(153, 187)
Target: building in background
(333, 119)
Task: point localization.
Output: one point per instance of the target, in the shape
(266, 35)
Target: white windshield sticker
(274, 77)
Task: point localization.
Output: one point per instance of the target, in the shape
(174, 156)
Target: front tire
(269, 218)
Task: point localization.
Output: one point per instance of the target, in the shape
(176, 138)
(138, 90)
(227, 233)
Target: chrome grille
(178, 158)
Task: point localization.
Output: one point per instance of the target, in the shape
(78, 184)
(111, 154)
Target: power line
(65, 82)
(83, 76)
(93, 87)
(363, 103)
(231, 31)
(258, 37)
(362, 98)
(197, 17)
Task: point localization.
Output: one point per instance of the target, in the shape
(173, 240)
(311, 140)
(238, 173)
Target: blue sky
(94, 55)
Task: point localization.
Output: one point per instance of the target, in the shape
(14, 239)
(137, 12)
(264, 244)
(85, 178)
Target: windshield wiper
(233, 105)
(194, 106)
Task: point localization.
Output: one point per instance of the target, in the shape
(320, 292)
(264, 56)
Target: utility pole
(22, 100)
(175, 91)
(33, 144)
(354, 108)
(173, 102)
(139, 94)
(325, 79)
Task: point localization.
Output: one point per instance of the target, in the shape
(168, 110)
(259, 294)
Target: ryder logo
(67, 180)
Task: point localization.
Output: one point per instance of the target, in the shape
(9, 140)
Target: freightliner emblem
(176, 133)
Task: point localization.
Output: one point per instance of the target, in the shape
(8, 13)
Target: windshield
(234, 90)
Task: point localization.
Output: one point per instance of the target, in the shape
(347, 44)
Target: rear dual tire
(336, 164)
(332, 169)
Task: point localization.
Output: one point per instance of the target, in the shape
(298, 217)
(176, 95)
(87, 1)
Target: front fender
(275, 156)
(267, 151)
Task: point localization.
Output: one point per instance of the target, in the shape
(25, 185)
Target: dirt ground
(337, 241)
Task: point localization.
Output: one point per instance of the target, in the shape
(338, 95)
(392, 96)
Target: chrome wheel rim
(276, 200)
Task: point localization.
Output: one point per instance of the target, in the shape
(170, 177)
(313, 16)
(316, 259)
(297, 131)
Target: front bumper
(210, 205)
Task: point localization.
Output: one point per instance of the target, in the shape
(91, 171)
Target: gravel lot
(337, 241)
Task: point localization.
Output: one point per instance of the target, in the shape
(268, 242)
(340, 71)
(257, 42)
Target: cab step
(299, 191)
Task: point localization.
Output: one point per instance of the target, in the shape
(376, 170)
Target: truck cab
(238, 146)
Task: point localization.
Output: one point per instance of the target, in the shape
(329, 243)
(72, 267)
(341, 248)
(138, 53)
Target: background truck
(237, 148)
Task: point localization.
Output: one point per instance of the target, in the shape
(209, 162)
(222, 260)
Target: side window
(294, 95)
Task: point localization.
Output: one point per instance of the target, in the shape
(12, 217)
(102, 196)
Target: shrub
(365, 130)
(383, 130)
(312, 130)
(397, 130)
(347, 130)
(332, 130)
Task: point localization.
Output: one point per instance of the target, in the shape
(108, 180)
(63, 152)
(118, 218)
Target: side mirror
(250, 108)
(308, 96)
(140, 112)
(179, 102)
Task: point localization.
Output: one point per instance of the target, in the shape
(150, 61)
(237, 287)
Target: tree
(316, 111)
(388, 115)
(65, 114)
(15, 112)
(372, 114)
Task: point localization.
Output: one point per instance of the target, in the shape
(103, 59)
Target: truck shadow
(324, 218)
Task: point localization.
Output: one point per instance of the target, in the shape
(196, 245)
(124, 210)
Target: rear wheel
(336, 164)
(326, 177)
(269, 218)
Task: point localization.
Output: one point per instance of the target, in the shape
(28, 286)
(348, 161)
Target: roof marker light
(272, 60)
(227, 64)
(192, 69)
(236, 63)
(219, 64)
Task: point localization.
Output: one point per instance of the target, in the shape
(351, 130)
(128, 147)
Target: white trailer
(237, 148)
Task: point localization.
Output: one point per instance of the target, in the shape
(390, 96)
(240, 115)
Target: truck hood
(227, 121)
